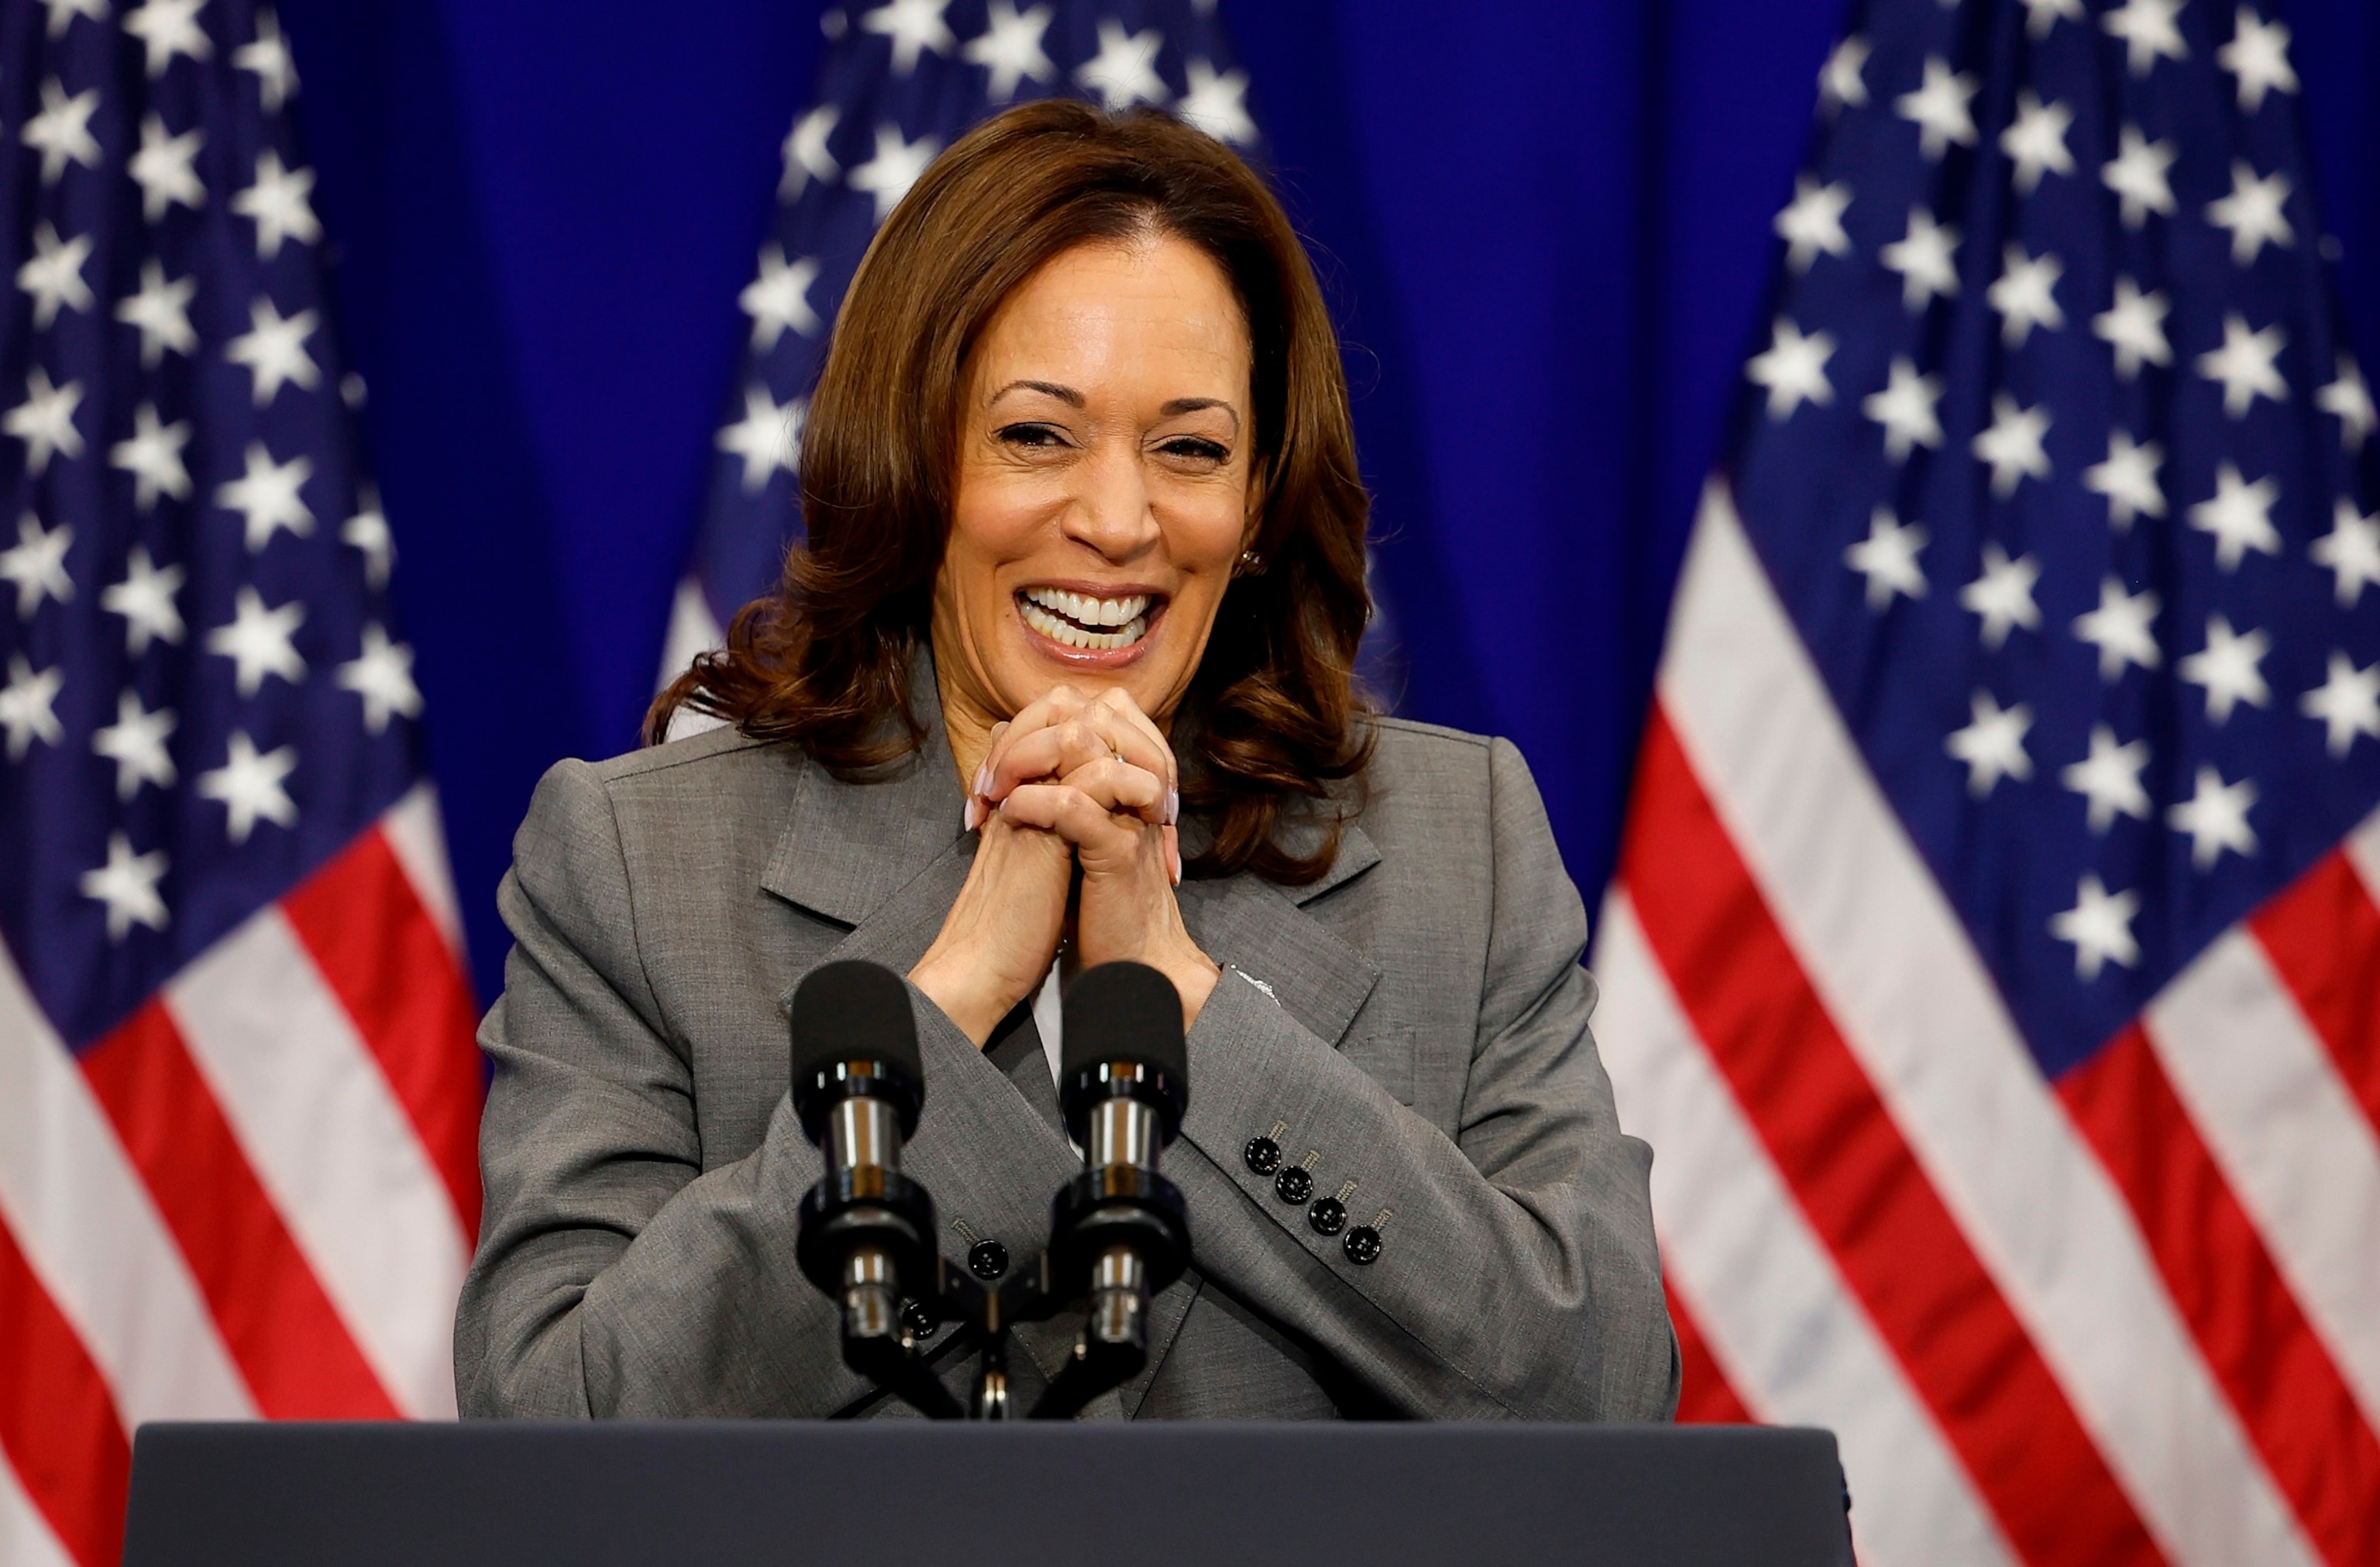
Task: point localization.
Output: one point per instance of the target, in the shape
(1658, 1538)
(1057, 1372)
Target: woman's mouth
(1077, 620)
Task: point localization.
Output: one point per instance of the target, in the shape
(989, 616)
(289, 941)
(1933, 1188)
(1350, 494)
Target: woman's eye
(1029, 435)
(1197, 448)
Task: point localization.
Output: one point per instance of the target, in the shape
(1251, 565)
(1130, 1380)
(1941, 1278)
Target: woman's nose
(1111, 511)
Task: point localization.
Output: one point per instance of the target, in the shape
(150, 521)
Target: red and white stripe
(257, 1196)
(1884, 1219)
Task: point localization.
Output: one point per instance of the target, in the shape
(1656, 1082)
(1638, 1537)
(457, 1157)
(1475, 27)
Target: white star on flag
(2349, 401)
(161, 310)
(779, 298)
(145, 600)
(1923, 258)
(135, 744)
(279, 203)
(256, 641)
(2134, 327)
(2099, 926)
(37, 565)
(128, 885)
(2239, 516)
(249, 787)
(2011, 444)
(268, 496)
(897, 163)
(2253, 213)
(1814, 223)
(2110, 778)
(1009, 49)
(1939, 108)
(383, 676)
(2023, 294)
(2349, 552)
(2258, 55)
(2215, 818)
(268, 60)
(767, 437)
(52, 274)
(63, 12)
(2348, 703)
(1842, 81)
(27, 706)
(367, 533)
(152, 455)
(805, 155)
(1793, 369)
(2003, 595)
(2120, 628)
(166, 169)
(2040, 16)
(44, 421)
(2246, 365)
(273, 350)
(2148, 31)
(914, 26)
(2229, 669)
(1217, 104)
(2128, 479)
(2138, 176)
(1124, 70)
(168, 29)
(1906, 410)
(61, 132)
(1887, 558)
(1992, 745)
(2035, 140)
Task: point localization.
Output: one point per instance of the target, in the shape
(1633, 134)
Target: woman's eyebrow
(1065, 395)
(1192, 404)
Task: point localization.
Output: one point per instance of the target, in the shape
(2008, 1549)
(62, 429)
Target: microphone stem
(1119, 1298)
(870, 1308)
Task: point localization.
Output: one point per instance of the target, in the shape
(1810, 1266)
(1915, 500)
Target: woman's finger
(1120, 787)
(1097, 834)
(1118, 700)
(1060, 748)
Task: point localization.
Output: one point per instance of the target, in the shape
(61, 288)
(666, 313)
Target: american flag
(1995, 958)
(900, 82)
(238, 1092)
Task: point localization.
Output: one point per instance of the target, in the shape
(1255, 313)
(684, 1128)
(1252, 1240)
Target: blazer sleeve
(1517, 1275)
(615, 1277)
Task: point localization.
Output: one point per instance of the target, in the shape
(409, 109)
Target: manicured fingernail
(983, 779)
(1174, 855)
(1173, 810)
(974, 812)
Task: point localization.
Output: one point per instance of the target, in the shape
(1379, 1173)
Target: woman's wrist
(955, 986)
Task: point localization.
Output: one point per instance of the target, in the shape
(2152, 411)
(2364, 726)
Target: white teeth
(1073, 636)
(1084, 610)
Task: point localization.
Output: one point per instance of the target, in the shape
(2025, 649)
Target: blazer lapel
(1266, 932)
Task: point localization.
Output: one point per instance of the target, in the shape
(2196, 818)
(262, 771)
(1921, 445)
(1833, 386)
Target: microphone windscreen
(853, 1011)
(1123, 1012)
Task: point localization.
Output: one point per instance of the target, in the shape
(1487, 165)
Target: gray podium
(527, 1494)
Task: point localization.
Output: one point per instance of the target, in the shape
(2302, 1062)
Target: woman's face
(1103, 481)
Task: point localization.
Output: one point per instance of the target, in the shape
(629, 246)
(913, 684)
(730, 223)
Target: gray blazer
(1418, 1019)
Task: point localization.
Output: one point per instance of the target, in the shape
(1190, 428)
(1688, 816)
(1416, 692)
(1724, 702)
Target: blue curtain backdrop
(1544, 227)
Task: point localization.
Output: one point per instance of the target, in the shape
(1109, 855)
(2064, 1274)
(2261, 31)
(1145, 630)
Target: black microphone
(1119, 1232)
(867, 1232)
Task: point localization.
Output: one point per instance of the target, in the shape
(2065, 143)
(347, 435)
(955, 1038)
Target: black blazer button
(1262, 1154)
(1328, 1216)
(987, 1260)
(1362, 1245)
(1295, 1183)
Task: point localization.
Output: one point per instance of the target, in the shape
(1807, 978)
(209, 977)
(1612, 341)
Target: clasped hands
(1072, 783)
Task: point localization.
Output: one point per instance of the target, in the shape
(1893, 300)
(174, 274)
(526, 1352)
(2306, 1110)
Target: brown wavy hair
(1273, 717)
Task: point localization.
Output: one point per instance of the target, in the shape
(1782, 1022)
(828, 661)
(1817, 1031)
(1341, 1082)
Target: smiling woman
(1062, 675)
